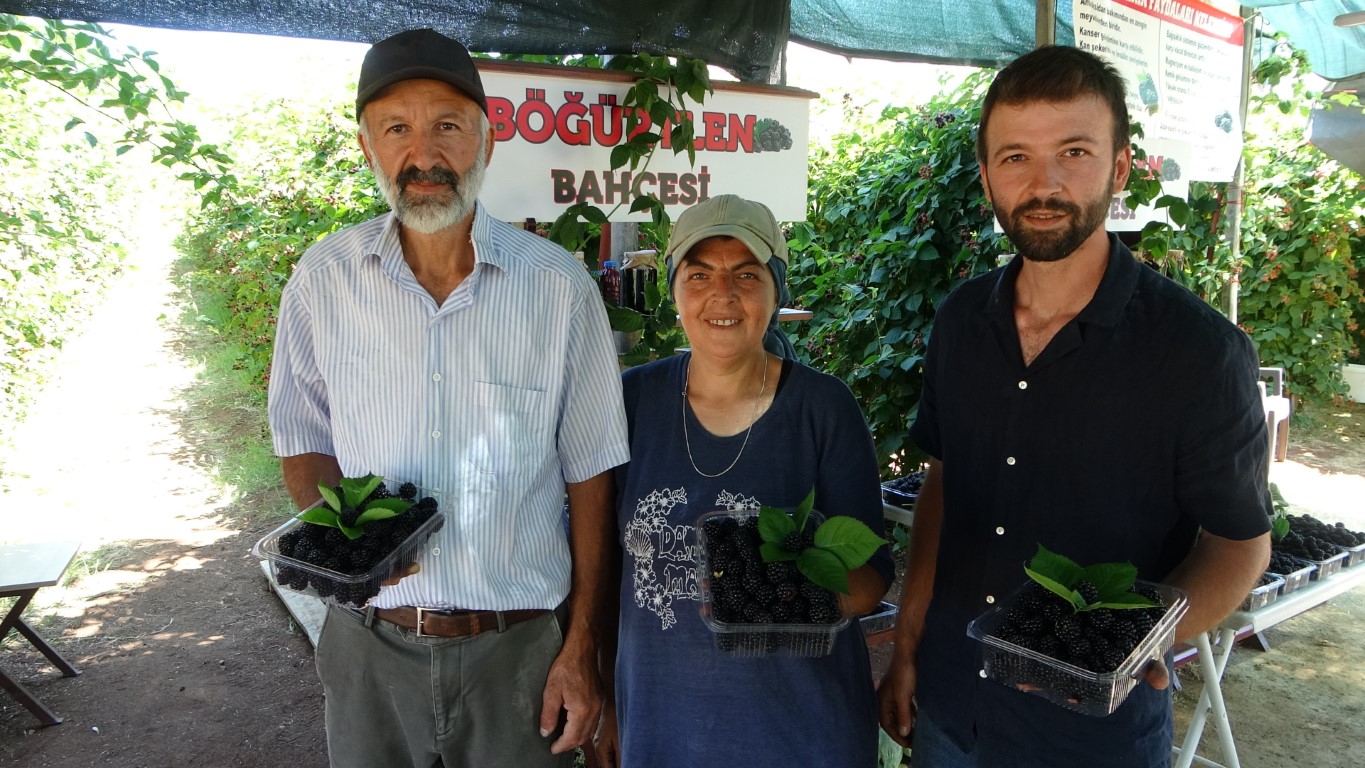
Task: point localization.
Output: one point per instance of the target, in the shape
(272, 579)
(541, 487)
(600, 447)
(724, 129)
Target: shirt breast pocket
(514, 437)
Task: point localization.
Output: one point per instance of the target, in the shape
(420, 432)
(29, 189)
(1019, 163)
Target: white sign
(1182, 61)
(1166, 160)
(556, 128)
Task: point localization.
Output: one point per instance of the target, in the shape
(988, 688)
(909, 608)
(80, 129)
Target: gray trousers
(395, 699)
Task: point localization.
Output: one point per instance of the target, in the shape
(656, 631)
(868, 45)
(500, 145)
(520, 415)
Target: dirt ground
(187, 659)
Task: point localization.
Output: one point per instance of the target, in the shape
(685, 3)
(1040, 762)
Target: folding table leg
(47, 650)
(21, 694)
(1211, 698)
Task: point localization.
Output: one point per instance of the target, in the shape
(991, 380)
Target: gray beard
(432, 213)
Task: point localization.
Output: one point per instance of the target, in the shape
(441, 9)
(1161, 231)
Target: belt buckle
(421, 621)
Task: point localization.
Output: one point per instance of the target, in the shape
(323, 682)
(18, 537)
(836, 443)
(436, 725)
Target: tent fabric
(981, 33)
(746, 37)
(1336, 53)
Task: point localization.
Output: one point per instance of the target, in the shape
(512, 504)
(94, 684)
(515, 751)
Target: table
(24, 569)
(1238, 625)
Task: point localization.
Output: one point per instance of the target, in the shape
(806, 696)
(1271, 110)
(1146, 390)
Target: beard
(433, 213)
(1084, 219)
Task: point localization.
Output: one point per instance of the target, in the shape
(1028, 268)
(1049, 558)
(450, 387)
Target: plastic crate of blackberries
(1326, 546)
(1066, 683)
(799, 618)
(323, 561)
(903, 491)
(1266, 591)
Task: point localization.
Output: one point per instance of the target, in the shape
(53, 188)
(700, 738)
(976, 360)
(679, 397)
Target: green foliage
(301, 177)
(662, 90)
(841, 543)
(1112, 581)
(1300, 286)
(898, 219)
(71, 109)
(346, 509)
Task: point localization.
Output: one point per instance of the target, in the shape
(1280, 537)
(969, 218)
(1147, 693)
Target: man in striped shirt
(436, 345)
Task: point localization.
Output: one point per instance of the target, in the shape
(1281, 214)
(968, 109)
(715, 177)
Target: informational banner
(556, 127)
(1166, 161)
(1182, 60)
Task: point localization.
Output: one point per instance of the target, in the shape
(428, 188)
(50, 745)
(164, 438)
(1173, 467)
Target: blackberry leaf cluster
(358, 524)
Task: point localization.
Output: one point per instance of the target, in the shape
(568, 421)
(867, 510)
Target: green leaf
(356, 489)
(823, 568)
(1058, 568)
(848, 539)
(1066, 593)
(1126, 600)
(773, 552)
(803, 509)
(1110, 579)
(376, 512)
(320, 516)
(329, 495)
(774, 524)
(352, 532)
(399, 506)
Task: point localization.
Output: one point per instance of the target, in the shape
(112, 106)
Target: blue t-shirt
(680, 701)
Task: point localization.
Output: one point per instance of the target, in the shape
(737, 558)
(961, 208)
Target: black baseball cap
(418, 54)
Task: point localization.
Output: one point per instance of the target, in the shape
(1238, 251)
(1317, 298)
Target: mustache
(436, 175)
(1038, 205)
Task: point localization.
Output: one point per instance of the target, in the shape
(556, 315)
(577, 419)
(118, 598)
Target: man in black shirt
(1076, 399)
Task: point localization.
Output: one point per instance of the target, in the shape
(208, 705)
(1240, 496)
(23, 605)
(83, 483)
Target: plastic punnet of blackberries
(1084, 660)
(324, 560)
(754, 607)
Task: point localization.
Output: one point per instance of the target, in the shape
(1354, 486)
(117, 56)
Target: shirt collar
(389, 250)
(1105, 307)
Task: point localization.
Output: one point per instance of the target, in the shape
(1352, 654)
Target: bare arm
(303, 472)
(897, 689)
(574, 684)
(1217, 574)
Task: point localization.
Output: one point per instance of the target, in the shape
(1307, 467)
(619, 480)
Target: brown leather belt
(429, 622)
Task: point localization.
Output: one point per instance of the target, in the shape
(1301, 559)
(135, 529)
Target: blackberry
(787, 593)
(764, 593)
(781, 572)
(1067, 629)
(795, 542)
(1088, 592)
(407, 491)
(771, 136)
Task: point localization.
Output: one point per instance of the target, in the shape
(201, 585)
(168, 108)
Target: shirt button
(1010, 461)
(435, 551)
(990, 599)
(435, 377)
(1023, 385)
(436, 434)
(1000, 530)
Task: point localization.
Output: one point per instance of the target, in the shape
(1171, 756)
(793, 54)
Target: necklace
(763, 387)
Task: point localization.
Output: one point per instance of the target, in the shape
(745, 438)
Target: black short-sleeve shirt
(1138, 425)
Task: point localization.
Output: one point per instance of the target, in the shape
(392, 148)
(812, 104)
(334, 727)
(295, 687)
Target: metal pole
(1235, 203)
(1045, 23)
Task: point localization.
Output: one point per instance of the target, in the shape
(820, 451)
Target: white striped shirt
(494, 399)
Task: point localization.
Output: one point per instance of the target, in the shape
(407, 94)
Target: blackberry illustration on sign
(1182, 60)
(555, 128)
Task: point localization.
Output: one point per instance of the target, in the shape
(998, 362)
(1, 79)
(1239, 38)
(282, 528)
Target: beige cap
(748, 221)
